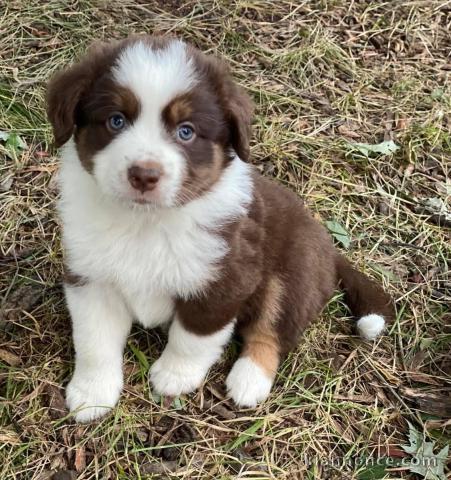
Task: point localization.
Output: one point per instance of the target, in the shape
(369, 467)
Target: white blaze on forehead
(155, 76)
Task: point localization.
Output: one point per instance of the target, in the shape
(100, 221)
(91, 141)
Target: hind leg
(251, 378)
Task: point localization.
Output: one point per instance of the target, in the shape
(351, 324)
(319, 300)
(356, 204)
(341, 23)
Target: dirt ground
(325, 76)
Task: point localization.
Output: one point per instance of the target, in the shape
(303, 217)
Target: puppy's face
(153, 120)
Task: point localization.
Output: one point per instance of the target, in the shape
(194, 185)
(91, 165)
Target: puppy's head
(153, 120)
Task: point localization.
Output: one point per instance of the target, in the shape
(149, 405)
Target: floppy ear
(63, 95)
(236, 104)
(66, 88)
(239, 108)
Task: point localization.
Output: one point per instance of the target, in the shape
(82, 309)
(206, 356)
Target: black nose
(143, 178)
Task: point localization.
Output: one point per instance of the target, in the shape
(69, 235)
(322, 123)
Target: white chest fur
(151, 256)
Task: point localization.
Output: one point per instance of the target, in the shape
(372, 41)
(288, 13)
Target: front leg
(187, 358)
(101, 323)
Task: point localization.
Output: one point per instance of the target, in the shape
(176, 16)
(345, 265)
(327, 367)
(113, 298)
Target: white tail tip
(370, 326)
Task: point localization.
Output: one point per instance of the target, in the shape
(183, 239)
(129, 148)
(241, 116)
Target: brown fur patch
(73, 279)
(92, 133)
(261, 342)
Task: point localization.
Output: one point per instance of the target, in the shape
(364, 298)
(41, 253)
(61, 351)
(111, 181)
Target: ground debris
(55, 401)
(23, 299)
(434, 403)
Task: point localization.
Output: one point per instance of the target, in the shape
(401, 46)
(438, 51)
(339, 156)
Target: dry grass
(322, 74)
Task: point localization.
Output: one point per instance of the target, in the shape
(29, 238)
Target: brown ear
(236, 104)
(63, 95)
(240, 110)
(66, 88)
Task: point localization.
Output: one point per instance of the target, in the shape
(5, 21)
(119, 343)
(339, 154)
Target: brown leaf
(392, 451)
(55, 402)
(10, 358)
(402, 124)
(348, 131)
(22, 299)
(80, 459)
(219, 409)
(42, 154)
(417, 360)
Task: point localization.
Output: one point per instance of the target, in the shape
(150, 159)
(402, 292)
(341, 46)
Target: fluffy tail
(368, 301)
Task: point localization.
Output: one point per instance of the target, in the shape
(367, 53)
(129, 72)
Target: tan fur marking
(261, 339)
(206, 175)
(179, 110)
(218, 160)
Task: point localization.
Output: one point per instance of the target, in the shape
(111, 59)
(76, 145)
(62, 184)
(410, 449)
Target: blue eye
(185, 132)
(116, 122)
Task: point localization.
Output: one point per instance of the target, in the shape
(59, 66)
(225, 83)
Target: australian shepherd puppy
(166, 222)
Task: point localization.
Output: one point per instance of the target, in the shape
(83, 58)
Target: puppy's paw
(173, 375)
(92, 396)
(247, 383)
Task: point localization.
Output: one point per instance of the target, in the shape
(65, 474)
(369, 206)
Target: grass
(323, 75)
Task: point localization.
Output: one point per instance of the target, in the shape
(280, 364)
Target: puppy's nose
(144, 176)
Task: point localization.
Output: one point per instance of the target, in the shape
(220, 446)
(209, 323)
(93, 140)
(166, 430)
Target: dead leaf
(348, 131)
(10, 358)
(392, 451)
(80, 459)
(219, 410)
(417, 360)
(24, 298)
(55, 402)
(402, 124)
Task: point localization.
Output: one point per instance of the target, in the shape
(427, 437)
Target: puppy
(164, 221)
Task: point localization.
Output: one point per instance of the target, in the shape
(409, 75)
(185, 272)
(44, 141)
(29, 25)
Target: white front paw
(173, 375)
(247, 383)
(91, 396)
